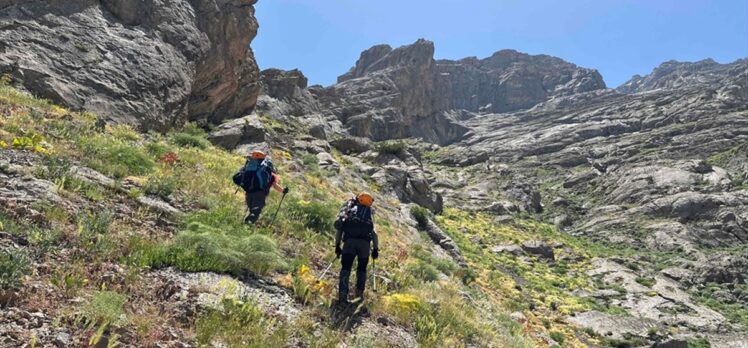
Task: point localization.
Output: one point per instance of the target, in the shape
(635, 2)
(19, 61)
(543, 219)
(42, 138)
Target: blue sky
(620, 38)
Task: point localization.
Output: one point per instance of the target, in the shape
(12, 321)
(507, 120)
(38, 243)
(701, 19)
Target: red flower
(170, 158)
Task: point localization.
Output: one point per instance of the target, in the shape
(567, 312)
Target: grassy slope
(431, 297)
(194, 175)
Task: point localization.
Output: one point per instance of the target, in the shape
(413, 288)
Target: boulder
(229, 135)
(349, 145)
(512, 249)
(326, 161)
(290, 89)
(538, 248)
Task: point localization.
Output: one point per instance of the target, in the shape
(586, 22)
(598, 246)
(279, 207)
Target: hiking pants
(352, 249)
(255, 203)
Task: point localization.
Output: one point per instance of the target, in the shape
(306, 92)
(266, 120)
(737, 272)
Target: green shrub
(56, 168)
(316, 215)
(443, 265)
(96, 222)
(14, 264)
(393, 147)
(310, 161)
(105, 308)
(558, 337)
(421, 215)
(115, 158)
(88, 190)
(94, 233)
(123, 132)
(189, 140)
(422, 271)
(698, 342)
(161, 185)
(202, 248)
(192, 128)
(157, 149)
(646, 281)
(240, 324)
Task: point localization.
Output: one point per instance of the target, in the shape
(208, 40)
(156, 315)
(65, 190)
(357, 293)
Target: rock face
(659, 168)
(149, 63)
(395, 93)
(673, 74)
(290, 89)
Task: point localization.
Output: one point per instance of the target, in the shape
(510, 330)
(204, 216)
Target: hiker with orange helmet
(355, 228)
(257, 177)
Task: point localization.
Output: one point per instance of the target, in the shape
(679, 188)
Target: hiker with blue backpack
(257, 177)
(355, 228)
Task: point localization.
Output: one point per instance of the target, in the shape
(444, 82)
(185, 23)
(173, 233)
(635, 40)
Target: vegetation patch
(14, 265)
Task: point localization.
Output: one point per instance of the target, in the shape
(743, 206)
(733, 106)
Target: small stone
(518, 317)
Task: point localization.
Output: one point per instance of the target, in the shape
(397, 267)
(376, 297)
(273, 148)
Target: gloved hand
(285, 190)
(375, 254)
(338, 251)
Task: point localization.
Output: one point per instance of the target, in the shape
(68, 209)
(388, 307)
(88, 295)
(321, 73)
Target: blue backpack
(255, 176)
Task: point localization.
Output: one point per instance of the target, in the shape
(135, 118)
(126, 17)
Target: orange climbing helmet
(365, 199)
(257, 155)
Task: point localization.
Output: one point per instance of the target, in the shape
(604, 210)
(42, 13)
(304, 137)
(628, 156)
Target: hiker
(355, 227)
(256, 177)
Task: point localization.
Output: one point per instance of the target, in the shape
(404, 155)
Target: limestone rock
(538, 248)
(149, 63)
(229, 135)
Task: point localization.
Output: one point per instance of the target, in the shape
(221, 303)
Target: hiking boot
(343, 302)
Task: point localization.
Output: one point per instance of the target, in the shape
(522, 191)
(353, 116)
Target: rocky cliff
(402, 92)
(152, 64)
(674, 75)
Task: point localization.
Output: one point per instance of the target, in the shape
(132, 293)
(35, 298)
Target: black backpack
(355, 220)
(255, 176)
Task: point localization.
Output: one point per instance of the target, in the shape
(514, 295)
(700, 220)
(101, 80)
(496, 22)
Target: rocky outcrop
(149, 63)
(509, 80)
(288, 93)
(245, 130)
(402, 92)
(659, 168)
(673, 75)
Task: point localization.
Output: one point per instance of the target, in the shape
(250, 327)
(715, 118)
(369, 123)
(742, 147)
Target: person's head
(257, 155)
(365, 199)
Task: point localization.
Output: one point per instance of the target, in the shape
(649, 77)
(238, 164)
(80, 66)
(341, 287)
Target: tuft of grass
(393, 147)
(698, 342)
(187, 140)
(317, 215)
(422, 271)
(421, 215)
(162, 184)
(105, 308)
(115, 158)
(14, 265)
(123, 132)
(559, 337)
(240, 324)
(646, 281)
(201, 248)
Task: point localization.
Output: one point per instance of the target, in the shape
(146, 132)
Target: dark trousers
(255, 203)
(352, 249)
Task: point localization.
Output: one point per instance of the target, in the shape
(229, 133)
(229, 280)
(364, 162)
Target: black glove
(375, 254)
(338, 251)
(285, 190)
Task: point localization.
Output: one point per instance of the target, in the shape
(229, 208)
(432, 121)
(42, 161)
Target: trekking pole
(277, 210)
(374, 273)
(326, 270)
